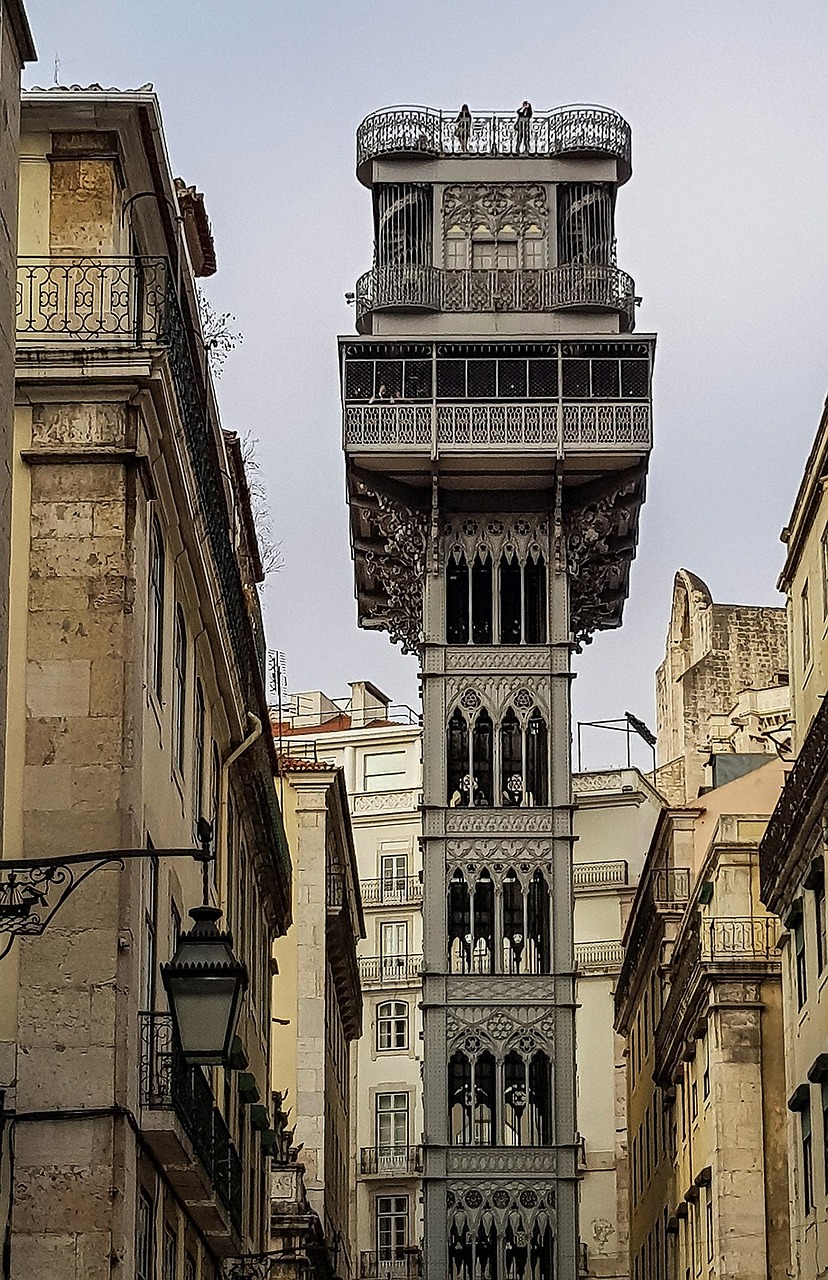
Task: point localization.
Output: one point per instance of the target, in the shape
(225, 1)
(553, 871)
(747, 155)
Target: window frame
(199, 744)
(180, 666)
(145, 1239)
(155, 610)
(392, 1022)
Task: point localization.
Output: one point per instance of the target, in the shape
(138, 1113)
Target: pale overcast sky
(723, 227)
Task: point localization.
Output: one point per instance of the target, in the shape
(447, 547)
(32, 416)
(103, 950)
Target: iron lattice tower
(497, 427)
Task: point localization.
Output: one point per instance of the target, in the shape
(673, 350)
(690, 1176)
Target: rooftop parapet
(427, 132)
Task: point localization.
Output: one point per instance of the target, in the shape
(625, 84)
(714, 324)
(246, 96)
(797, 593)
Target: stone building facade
(497, 426)
(792, 856)
(698, 1002)
(136, 707)
(317, 1009)
(715, 655)
(16, 49)
(379, 748)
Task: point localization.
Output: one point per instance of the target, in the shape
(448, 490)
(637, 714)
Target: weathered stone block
(106, 691)
(58, 688)
(75, 482)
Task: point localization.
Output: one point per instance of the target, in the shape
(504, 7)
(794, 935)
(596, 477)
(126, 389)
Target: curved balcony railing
(580, 129)
(555, 289)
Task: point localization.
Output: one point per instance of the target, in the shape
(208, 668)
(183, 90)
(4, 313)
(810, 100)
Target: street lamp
(205, 984)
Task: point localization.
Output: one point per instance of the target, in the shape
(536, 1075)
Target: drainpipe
(224, 782)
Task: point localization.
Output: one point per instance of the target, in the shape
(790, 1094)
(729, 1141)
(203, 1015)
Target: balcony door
(391, 1131)
(392, 1231)
(394, 948)
(393, 876)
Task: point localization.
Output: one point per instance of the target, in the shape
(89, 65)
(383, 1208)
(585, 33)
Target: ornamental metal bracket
(32, 891)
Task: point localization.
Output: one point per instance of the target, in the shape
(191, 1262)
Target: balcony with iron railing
(389, 971)
(398, 891)
(431, 289)
(391, 1161)
(415, 131)
(174, 1094)
(403, 1262)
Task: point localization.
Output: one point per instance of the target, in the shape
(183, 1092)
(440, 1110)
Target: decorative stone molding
(495, 206)
(500, 658)
(475, 1028)
(495, 535)
(385, 802)
(498, 1201)
(497, 693)
(495, 821)
(600, 535)
(394, 563)
(500, 991)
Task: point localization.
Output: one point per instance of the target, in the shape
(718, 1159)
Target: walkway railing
(557, 288)
(570, 130)
(392, 1160)
(391, 892)
(167, 1082)
(594, 875)
(591, 956)
(381, 971)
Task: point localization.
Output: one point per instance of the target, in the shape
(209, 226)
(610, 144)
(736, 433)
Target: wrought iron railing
(802, 787)
(167, 1082)
(117, 302)
(740, 938)
(592, 875)
(554, 289)
(380, 971)
(392, 1264)
(414, 130)
(391, 892)
(538, 425)
(598, 955)
(393, 1160)
(94, 300)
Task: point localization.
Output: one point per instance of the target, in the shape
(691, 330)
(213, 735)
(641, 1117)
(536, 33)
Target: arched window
(511, 760)
(482, 763)
(457, 599)
(514, 925)
(483, 925)
(179, 689)
(537, 762)
(392, 1025)
(481, 598)
(459, 924)
(155, 611)
(457, 757)
(539, 1112)
(534, 600)
(510, 599)
(459, 1090)
(538, 932)
(484, 1100)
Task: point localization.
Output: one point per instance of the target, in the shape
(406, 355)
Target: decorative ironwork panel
(98, 301)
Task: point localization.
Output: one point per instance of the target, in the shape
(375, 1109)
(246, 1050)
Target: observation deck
(423, 133)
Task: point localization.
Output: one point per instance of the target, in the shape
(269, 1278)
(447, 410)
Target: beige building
(721, 660)
(613, 824)
(699, 1004)
(16, 48)
(792, 859)
(135, 706)
(378, 748)
(317, 1010)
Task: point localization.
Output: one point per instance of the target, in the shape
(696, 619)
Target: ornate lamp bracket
(32, 891)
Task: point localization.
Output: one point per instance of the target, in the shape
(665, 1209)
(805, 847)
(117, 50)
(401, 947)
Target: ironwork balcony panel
(564, 288)
(168, 1083)
(391, 1161)
(801, 799)
(579, 129)
(98, 302)
(387, 893)
(727, 938)
(671, 887)
(623, 426)
(404, 1263)
(388, 971)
